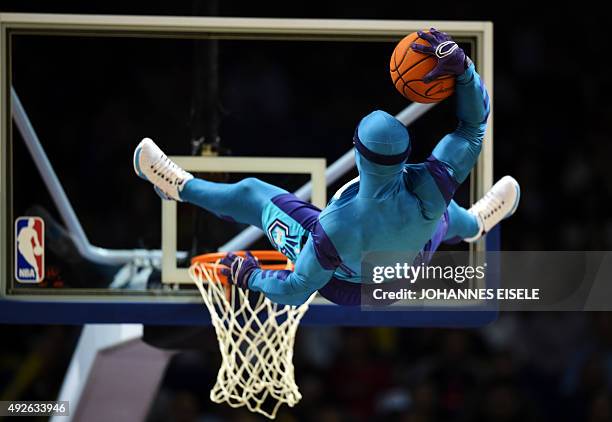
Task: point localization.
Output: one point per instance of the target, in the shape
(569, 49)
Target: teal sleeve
(421, 183)
(292, 287)
(435, 181)
(459, 150)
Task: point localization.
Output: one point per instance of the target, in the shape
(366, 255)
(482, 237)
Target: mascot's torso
(391, 221)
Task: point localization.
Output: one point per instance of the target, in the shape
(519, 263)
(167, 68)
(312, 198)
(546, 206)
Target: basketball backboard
(79, 172)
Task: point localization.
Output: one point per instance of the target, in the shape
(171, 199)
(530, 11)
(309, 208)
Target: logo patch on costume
(29, 249)
(278, 233)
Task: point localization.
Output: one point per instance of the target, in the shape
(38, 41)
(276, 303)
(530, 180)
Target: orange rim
(268, 260)
(263, 256)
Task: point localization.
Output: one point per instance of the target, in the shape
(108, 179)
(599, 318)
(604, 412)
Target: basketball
(38, 250)
(408, 67)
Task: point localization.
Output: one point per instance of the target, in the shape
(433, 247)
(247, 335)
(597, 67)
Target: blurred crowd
(523, 367)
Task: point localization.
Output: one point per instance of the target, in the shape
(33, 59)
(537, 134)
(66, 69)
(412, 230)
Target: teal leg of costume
(242, 202)
(461, 223)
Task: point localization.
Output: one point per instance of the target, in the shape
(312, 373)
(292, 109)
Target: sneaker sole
(136, 163)
(161, 194)
(517, 188)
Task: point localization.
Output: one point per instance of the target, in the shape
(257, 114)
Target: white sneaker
(498, 203)
(150, 163)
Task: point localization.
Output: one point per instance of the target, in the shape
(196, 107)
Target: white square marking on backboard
(315, 167)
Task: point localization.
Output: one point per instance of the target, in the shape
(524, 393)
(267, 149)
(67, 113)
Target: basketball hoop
(256, 337)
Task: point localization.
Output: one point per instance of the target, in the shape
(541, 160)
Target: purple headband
(375, 157)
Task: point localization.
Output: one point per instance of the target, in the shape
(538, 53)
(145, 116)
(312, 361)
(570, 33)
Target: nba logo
(29, 249)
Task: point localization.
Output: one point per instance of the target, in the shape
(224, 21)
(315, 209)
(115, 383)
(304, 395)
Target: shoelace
(164, 168)
(489, 205)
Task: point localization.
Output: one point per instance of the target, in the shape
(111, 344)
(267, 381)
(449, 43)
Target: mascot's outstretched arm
(313, 269)
(454, 156)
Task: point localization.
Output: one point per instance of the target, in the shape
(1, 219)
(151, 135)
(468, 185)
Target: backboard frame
(56, 310)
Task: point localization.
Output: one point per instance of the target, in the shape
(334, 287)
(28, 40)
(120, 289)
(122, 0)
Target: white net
(256, 338)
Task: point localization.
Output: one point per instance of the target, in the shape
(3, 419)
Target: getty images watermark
(411, 272)
(506, 281)
(458, 274)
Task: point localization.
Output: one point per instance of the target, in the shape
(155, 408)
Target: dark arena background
(93, 99)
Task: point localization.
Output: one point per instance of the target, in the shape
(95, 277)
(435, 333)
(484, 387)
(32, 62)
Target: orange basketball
(408, 67)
